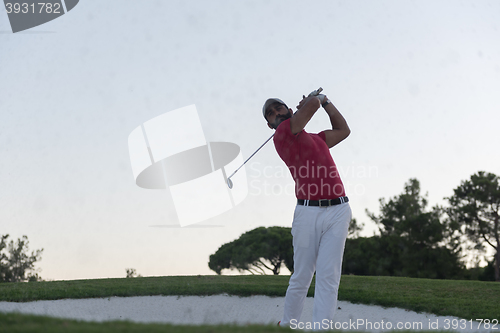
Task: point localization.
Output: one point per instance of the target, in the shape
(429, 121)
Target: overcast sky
(417, 81)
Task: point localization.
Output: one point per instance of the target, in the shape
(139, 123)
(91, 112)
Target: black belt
(322, 203)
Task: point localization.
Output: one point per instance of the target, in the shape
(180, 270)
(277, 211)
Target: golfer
(322, 215)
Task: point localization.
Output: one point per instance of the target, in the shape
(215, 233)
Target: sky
(417, 82)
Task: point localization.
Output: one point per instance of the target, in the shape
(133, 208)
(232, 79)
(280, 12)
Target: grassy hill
(465, 299)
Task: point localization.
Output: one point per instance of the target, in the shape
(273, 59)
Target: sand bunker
(225, 309)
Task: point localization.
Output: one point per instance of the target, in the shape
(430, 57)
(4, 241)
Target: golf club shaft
(252, 155)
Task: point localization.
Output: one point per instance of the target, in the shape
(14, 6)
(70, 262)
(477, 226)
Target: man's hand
(304, 101)
(340, 130)
(322, 98)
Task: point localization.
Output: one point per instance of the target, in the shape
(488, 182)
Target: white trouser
(319, 235)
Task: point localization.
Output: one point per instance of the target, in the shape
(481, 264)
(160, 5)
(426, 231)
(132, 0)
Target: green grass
(242, 285)
(465, 299)
(14, 323)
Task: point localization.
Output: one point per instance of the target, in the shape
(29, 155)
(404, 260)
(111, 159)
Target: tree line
(414, 240)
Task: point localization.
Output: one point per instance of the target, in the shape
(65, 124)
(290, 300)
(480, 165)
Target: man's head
(275, 111)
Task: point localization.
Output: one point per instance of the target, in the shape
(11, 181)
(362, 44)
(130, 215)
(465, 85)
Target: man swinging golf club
(322, 215)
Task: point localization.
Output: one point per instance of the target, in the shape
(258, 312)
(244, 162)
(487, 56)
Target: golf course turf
(464, 299)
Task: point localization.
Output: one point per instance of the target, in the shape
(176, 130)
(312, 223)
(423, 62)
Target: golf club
(229, 181)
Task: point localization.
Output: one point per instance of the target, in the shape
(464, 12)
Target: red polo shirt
(310, 163)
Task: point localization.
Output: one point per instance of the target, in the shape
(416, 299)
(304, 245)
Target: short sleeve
(322, 135)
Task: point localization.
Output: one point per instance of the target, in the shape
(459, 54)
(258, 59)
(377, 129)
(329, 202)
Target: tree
(17, 264)
(131, 273)
(413, 241)
(367, 256)
(405, 216)
(354, 229)
(475, 207)
(255, 251)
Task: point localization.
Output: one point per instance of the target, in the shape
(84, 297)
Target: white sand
(227, 309)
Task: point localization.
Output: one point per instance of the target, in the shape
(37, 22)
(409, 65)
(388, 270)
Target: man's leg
(304, 262)
(329, 262)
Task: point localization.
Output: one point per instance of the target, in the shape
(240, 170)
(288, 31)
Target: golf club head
(229, 183)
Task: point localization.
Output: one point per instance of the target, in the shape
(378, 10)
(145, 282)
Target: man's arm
(306, 109)
(340, 130)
